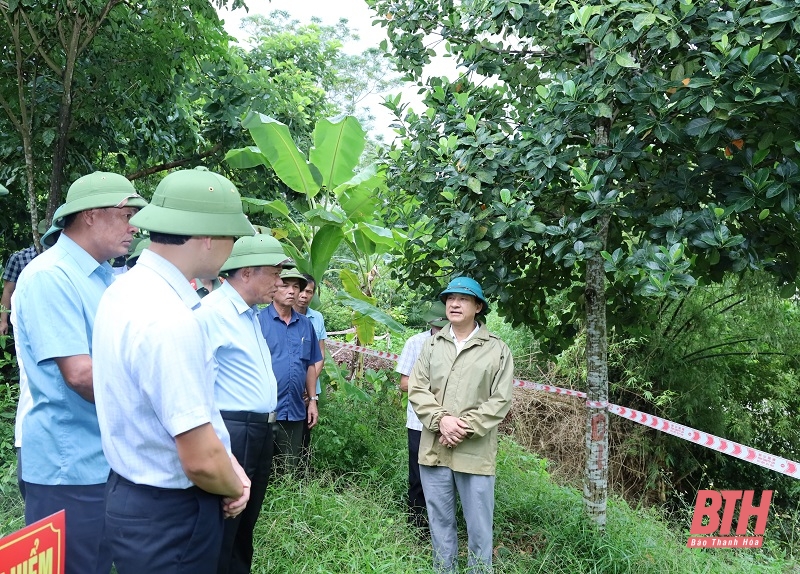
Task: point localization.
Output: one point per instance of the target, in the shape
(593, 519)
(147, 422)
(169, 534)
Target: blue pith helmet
(465, 286)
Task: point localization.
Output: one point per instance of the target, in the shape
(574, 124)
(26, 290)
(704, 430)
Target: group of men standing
(152, 414)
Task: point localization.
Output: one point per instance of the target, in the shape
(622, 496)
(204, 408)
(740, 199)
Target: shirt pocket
(305, 349)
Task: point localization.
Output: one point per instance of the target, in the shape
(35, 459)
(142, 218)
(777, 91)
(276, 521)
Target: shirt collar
(238, 303)
(86, 262)
(475, 330)
(273, 313)
(171, 274)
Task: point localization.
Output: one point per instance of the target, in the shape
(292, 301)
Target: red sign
(36, 549)
(726, 500)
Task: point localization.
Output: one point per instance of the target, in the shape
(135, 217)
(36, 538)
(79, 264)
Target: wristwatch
(313, 398)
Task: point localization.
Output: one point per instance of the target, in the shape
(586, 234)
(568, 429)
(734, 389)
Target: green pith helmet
(138, 245)
(257, 251)
(465, 286)
(436, 315)
(51, 236)
(98, 189)
(294, 274)
(195, 202)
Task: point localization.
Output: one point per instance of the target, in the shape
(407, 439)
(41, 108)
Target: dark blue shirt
(294, 348)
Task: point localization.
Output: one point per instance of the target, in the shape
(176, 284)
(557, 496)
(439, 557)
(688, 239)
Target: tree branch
(731, 354)
(172, 164)
(110, 5)
(38, 46)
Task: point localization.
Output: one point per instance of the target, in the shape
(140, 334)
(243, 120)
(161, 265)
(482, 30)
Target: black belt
(248, 417)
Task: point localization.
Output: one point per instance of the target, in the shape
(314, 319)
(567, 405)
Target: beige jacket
(476, 386)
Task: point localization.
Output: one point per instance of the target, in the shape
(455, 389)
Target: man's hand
(4, 323)
(233, 507)
(453, 430)
(313, 414)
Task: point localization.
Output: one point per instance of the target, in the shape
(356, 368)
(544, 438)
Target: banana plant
(343, 202)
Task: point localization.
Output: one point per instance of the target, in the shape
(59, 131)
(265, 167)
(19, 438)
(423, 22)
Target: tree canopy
(608, 150)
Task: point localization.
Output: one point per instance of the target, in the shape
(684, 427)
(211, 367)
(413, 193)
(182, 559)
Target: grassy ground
(346, 514)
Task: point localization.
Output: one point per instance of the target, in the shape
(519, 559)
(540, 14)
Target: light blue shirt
(153, 373)
(319, 328)
(242, 362)
(56, 300)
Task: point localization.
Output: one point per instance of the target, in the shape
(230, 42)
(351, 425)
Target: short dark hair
(70, 219)
(168, 238)
(310, 279)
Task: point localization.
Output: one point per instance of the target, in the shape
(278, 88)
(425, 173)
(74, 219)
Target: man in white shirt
(173, 478)
(436, 319)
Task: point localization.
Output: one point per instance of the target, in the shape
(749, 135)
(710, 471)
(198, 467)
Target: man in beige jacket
(461, 389)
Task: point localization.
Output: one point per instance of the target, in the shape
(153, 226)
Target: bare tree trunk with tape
(595, 483)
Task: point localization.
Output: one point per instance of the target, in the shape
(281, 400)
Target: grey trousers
(476, 493)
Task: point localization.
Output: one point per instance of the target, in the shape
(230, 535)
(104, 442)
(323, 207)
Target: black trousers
(88, 551)
(417, 511)
(164, 530)
(251, 444)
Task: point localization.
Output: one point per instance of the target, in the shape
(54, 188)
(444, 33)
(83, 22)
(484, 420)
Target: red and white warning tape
(363, 350)
(711, 441)
(740, 451)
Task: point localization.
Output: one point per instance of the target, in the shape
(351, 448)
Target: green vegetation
(347, 513)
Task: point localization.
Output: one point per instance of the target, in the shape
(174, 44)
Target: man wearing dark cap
(461, 389)
(245, 389)
(173, 478)
(436, 319)
(295, 351)
(57, 296)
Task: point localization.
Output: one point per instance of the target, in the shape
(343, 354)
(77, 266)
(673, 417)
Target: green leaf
(273, 207)
(338, 145)
(470, 122)
(505, 196)
(379, 235)
(323, 246)
(642, 21)
(763, 215)
(698, 126)
(569, 88)
(788, 291)
(673, 39)
(775, 14)
(750, 55)
(273, 139)
(600, 110)
(474, 184)
(246, 157)
(624, 60)
(369, 310)
(48, 136)
(707, 103)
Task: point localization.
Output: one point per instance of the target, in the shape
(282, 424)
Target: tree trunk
(55, 197)
(595, 484)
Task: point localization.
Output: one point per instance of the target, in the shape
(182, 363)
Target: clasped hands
(232, 507)
(452, 431)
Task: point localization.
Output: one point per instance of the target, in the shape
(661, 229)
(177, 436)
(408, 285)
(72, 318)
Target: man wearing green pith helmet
(245, 388)
(173, 479)
(63, 467)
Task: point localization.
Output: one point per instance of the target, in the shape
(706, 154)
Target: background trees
(640, 147)
(90, 84)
